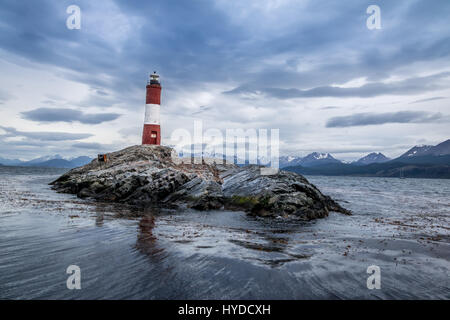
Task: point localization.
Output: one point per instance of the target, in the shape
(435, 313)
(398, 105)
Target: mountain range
(420, 162)
(372, 158)
(319, 159)
(441, 149)
(311, 160)
(54, 161)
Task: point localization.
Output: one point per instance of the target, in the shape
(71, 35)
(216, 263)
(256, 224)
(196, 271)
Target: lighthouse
(152, 130)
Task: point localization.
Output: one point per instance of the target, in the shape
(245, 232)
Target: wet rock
(153, 176)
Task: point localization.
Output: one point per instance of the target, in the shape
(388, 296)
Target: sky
(310, 68)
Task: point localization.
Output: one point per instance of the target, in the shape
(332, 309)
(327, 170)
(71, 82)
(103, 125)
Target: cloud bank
(233, 64)
(68, 115)
(366, 119)
(43, 135)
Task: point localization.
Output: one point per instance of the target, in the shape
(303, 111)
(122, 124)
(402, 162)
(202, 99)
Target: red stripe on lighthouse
(151, 134)
(153, 94)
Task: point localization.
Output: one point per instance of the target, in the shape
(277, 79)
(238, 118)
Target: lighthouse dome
(154, 78)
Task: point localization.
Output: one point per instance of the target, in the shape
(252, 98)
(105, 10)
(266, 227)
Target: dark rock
(153, 176)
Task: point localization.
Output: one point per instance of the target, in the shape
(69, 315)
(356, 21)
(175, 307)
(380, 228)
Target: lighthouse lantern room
(152, 129)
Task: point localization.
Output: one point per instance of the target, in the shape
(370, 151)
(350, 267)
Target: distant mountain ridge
(43, 159)
(372, 158)
(441, 149)
(55, 161)
(288, 161)
(311, 160)
(416, 151)
(417, 162)
(320, 163)
(317, 159)
(10, 162)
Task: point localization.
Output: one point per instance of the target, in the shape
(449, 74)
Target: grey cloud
(365, 119)
(44, 136)
(186, 31)
(330, 108)
(102, 93)
(429, 99)
(201, 110)
(28, 143)
(67, 115)
(405, 87)
(51, 102)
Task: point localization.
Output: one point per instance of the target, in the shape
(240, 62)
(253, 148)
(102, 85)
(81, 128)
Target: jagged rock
(153, 176)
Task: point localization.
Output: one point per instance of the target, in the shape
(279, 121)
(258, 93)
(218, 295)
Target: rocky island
(153, 176)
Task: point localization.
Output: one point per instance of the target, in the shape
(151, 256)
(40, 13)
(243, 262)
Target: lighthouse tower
(152, 129)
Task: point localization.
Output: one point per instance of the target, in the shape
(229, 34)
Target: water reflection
(146, 240)
(99, 219)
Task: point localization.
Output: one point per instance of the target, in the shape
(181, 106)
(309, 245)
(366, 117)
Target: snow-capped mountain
(316, 159)
(289, 161)
(311, 160)
(441, 149)
(417, 151)
(373, 157)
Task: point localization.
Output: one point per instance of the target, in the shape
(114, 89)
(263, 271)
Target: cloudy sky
(310, 68)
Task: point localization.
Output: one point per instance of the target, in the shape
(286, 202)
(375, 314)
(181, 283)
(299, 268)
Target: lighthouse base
(151, 134)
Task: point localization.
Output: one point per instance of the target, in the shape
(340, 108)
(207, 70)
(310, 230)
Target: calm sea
(400, 225)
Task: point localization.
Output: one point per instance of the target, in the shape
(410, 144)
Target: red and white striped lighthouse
(152, 129)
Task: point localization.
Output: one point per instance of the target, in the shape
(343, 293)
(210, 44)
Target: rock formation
(149, 175)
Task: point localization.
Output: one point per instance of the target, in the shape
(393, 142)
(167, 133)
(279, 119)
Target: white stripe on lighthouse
(151, 113)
